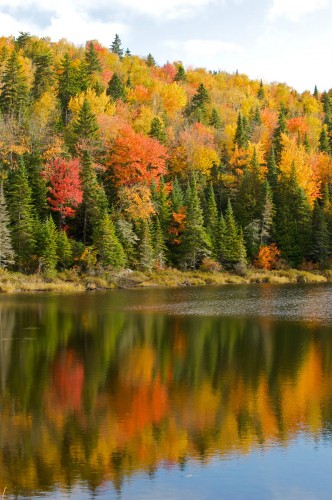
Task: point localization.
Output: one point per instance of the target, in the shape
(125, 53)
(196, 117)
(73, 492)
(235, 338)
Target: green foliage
(215, 120)
(157, 130)
(44, 75)
(146, 251)
(280, 129)
(86, 126)
(232, 249)
(48, 255)
(69, 84)
(92, 60)
(14, 97)
(6, 250)
(115, 88)
(21, 215)
(116, 46)
(180, 74)
(108, 247)
(150, 61)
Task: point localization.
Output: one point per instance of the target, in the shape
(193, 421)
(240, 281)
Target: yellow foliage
(100, 104)
(44, 108)
(228, 136)
(136, 202)
(144, 119)
(174, 98)
(203, 158)
(306, 176)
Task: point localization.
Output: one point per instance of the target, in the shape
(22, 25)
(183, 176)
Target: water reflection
(93, 390)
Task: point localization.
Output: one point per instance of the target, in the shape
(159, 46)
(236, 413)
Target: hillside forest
(109, 160)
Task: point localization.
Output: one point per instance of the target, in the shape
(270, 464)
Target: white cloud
(167, 8)
(209, 48)
(295, 9)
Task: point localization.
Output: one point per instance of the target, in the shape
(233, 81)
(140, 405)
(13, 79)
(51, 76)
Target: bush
(209, 265)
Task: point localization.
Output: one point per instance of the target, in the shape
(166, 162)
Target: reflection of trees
(96, 396)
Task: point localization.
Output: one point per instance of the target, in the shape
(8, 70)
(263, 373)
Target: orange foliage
(267, 257)
(135, 158)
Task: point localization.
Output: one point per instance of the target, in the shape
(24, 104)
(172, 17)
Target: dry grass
(71, 282)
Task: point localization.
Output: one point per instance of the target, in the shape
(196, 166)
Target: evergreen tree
(146, 252)
(37, 183)
(150, 61)
(157, 130)
(211, 220)
(272, 174)
(94, 203)
(232, 249)
(324, 144)
(195, 241)
(128, 239)
(69, 85)
(268, 216)
(293, 221)
(64, 250)
(180, 74)
(163, 207)
(315, 94)
(215, 120)
(250, 198)
(48, 248)
(44, 75)
(320, 236)
(241, 138)
(92, 60)
(109, 249)
(86, 126)
(7, 254)
(116, 46)
(21, 215)
(159, 247)
(115, 88)
(197, 109)
(256, 117)
(14, 97)
(260, 92)
(277, 136)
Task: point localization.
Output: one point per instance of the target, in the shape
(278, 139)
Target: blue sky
(276, 40)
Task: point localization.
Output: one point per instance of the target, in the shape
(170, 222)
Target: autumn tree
(65, 188)
(115, 88)
(14, 97)
(135, 158)
(116, 46)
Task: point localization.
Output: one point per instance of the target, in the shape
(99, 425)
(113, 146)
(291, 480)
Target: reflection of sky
(300, 471)
(290, 302)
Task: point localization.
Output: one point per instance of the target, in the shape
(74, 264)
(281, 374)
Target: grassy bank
(72, 282)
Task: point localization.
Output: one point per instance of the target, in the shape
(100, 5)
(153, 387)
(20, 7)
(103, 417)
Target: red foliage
(170, 71)
(136, 158)
(267, 257)
(68, 377)
(65, 185)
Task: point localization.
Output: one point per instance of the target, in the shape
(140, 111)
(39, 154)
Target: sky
(286, 41)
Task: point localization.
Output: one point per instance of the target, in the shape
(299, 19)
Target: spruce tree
(64, 250)
(116, 46)
(320, 236)
(14, 97)
(21, 215)
(150, 61)
(44, 75)
(324, 144)
(197, 109)
(241, 138)
(48, 248)
(92, 60)
(86, 126)
(260, 92)
(211, 220)
(272, 173)
(7, 254)
(116, 89)
(232, 248)
(250, 197)
(280, 129)
(180, 74)
(268, 217)
(159, 247)
(146, 252)
(105, 241)
(157, 130)
(195, 241)
(69, 85)
(215, 120)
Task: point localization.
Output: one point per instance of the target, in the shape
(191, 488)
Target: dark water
(198, 393)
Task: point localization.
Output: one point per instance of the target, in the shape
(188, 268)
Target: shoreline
(73, 282)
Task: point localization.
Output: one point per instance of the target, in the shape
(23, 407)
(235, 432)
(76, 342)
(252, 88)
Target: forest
(109, 160)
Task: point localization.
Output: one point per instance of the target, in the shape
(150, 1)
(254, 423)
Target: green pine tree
(21, 215)
(44, 75)
(180, 74)
(260, 92)
(157, 130)
(7, 254)
(159, 247)
(48, 248)
(106, 243)
(116, 46)
(146, 251)
(232, 248)
(268, 217)
(92, 60)
(320, 236)
(64, 250)
(280, 129)
(195, 241)
(69, 85)
(211, 220)
(215, 120)
(241, 138)
(150, 61)
(14, 97)
(116, 89)
(324, 144)
(86, 126)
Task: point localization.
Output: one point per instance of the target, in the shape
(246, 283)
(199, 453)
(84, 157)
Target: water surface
(212, 392)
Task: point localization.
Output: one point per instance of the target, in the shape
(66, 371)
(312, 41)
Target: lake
(200, 393)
